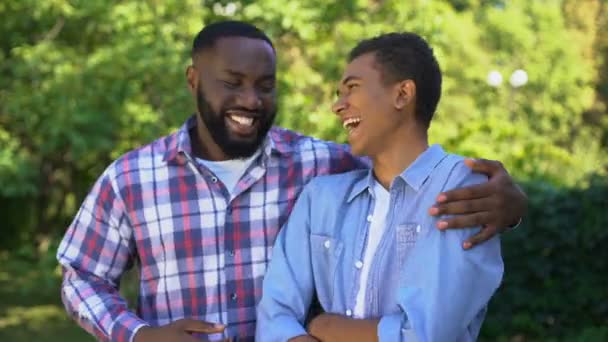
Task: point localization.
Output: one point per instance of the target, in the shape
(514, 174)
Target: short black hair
(211, 33)
(402, 56)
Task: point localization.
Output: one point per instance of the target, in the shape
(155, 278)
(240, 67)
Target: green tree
(81, 82)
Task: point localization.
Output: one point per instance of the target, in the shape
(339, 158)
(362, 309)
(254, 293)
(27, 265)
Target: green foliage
(84, 81)
(555, 267)
(30, 306)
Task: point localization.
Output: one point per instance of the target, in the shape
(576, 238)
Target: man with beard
(199, 210)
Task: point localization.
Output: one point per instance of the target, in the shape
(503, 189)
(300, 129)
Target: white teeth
(243, 120)
(350, 121)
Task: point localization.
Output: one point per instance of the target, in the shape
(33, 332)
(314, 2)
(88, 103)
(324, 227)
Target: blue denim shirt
(422, 285)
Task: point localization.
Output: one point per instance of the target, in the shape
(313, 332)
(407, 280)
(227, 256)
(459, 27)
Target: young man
(366, 244)
(198, 210)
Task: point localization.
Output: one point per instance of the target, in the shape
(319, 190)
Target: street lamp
(518, 79)
(494, 78)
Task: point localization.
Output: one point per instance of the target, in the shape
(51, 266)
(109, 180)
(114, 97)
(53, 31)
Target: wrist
(319, 325)
(303, 338)
(125, 327)
(141, 334)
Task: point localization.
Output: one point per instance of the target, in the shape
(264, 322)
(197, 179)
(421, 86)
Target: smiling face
(367, 107)
(234, 86)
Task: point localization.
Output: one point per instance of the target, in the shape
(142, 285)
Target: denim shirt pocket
(326, 252)
(406, 236)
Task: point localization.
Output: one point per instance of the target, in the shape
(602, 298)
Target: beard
(233, 147)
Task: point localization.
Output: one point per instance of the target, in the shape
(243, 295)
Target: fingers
(194, 326)
(465, 221)
(468, 193)
(484, 234)
(485, 166)
(462, 207)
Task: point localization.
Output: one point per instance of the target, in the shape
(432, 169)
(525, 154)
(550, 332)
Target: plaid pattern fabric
(201, 252)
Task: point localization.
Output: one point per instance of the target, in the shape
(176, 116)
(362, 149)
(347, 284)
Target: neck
(203, 145)
(399, 153)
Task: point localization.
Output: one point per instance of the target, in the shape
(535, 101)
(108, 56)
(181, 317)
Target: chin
(242, 139)
(357, 151)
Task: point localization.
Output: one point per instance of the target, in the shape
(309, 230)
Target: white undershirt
(230, 171)
(376, 229)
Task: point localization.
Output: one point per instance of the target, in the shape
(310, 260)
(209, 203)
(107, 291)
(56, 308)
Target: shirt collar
(420, 170)
(414, 176)
(179, 143)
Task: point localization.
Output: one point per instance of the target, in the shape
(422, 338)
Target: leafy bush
(556, 267)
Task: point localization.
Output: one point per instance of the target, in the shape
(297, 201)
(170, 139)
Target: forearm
(332, 328)
(97, 307)
(303, 338)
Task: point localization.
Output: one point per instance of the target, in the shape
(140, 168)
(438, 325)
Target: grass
(30, 302)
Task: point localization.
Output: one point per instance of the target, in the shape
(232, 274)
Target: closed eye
(231, 84)
(349, 87)
(266, 87)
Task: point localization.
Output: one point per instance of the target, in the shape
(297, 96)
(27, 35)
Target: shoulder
(128, 167)
(457, 174)
(286, 139)
(334, 186)
(330, 157)
(340, 179)
(462, 175)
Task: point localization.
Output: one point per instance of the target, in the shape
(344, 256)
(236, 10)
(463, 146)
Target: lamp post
(518, 79)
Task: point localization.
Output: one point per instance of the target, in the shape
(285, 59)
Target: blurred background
(525, 82)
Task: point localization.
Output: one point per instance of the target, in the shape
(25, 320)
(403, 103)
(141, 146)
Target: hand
(303, 338)
(336, 328)
(318, 326)
(178, 331)
(494, 205)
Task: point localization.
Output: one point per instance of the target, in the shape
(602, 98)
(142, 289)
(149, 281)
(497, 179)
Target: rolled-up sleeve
(94, 253)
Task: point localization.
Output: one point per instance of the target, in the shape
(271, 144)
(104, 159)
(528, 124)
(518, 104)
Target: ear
(405, 94)
(192, 78)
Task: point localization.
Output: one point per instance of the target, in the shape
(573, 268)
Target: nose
(339, 106)
(250, 99)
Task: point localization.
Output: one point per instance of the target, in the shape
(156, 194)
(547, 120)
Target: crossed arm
(495, 206)
(469, 280)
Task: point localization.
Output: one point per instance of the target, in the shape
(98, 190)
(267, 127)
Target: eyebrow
(234, 73)
(240, 74)
(350, 78)
(346, 80)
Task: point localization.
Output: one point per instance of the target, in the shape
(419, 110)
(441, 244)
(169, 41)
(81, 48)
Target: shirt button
(231, 253)
(359, 264)
(327, 244)
(214, 179)
(349, 313)
(369, 218)
(418, 229)
(233, 296)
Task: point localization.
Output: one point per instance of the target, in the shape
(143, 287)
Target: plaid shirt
(202, 252)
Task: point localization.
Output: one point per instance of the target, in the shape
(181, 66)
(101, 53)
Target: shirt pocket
(326, 252)
(406, 236)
